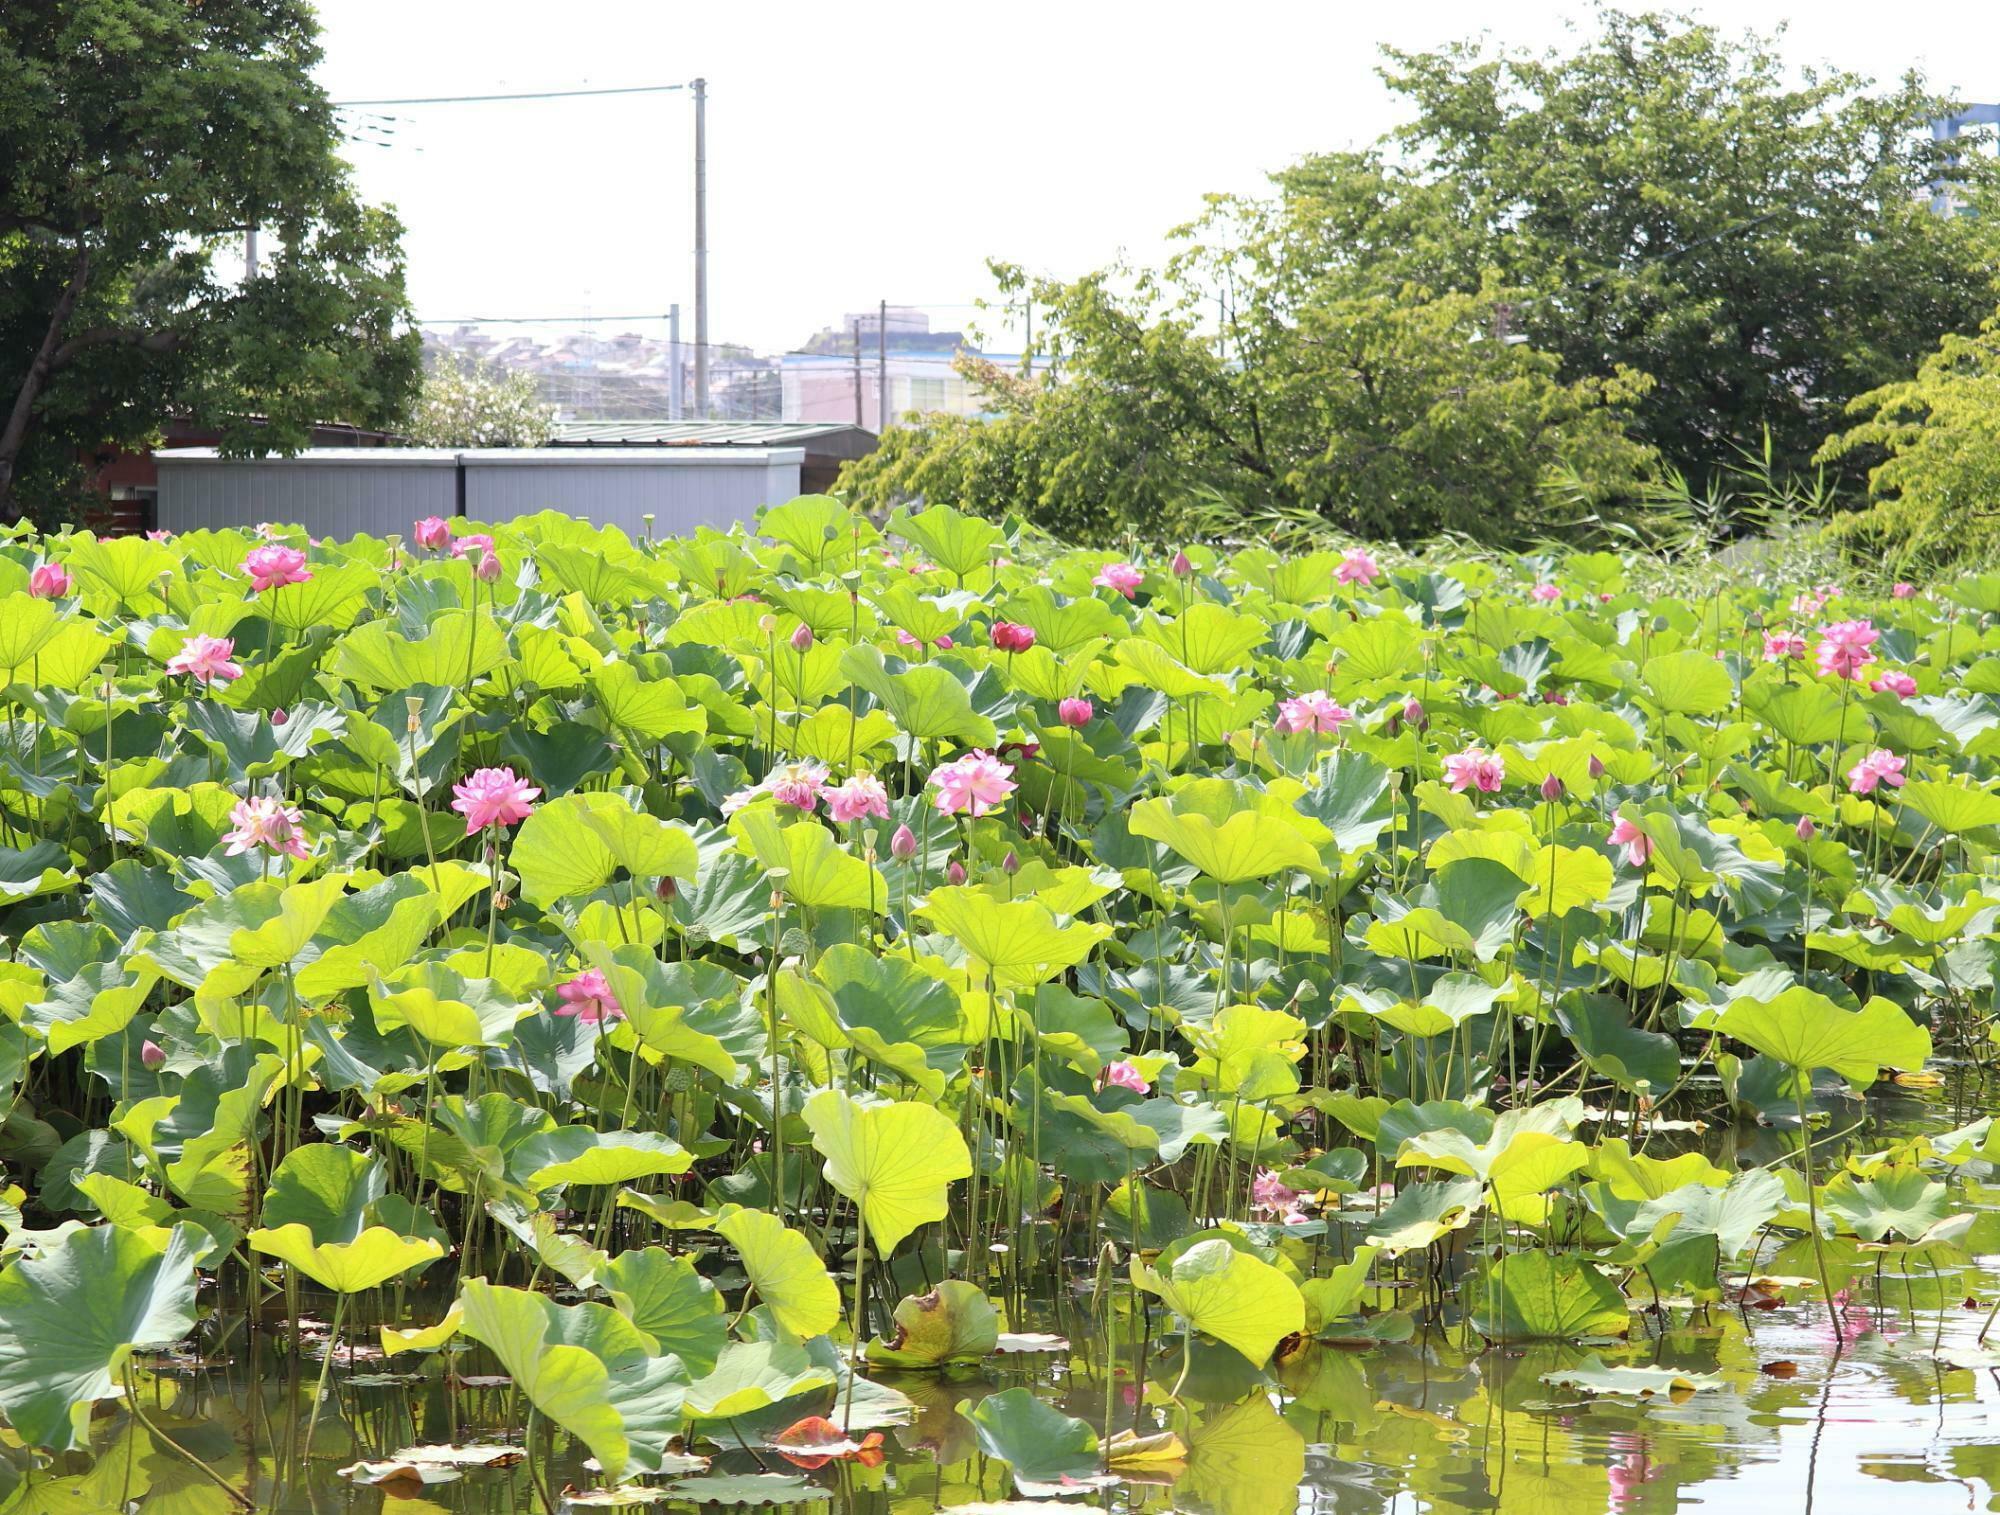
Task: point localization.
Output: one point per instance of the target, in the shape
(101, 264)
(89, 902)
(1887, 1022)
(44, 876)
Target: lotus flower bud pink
(1011, 863)
(1414, 713)
(1182, 565)
(1075, 713)
(802, 637)
(152, 1055)
(954, 872)
(1596, 766)
(431, 533)
(1806, 829)
(488, 568)
(666, 888)
(279, 717)
(903, 844)
(49, 581)
(1552, 788)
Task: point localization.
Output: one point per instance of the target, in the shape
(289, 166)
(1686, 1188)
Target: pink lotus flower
(1904, 591)
(431, 533)
(1122, 1075)
(861, 796)
(159, 536)
(1475, 768)
(974, 784)
(954, 872)
(273, 567)
(1805, 830)
(1010, 636)
(205, 658)
(487, 569)
(267, 824)
(472, 541)
(1122, 577)
(903, 845)
(1553, 788)
(1358, 567)
(49, 581)
(588, 997)
(1636, 845)
(1075, 713)
(1843, 649)
(1545, 592)
(493, 797)
(801, 638)
(152, 1056)
(904, 639)
(1416, 715)
(1182, 565)
(1895, 682)
(1269, 1193)
(1312, 712)
(1780, 645)
(794, 784)
(1879, 767)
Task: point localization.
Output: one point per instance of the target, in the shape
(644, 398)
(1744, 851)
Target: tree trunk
(33, 382)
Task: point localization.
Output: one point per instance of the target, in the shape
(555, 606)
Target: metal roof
(688, 455)
(698, 433)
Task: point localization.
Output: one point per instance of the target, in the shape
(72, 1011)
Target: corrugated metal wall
(329, 494)
(341, 493)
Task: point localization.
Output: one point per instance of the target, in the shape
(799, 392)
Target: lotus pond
(903, 1015)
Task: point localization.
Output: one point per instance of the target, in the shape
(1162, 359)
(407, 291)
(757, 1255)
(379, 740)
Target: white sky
(883, 149)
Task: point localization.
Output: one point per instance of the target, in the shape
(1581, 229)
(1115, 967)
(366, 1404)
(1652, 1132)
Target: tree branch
(37, 376)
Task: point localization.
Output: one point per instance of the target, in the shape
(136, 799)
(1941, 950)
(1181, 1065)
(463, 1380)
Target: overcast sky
(879, 149)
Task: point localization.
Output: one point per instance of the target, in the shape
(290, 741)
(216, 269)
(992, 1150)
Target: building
(826, 445)
(342, 492)
(840, 373)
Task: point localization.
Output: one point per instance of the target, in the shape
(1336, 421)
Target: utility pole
(701, 248)
(882, 369)
(1028, 343)
(250, 253)
(674, 361)
(857, 373)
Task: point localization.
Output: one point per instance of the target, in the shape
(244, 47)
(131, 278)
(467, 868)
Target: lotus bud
(802, 637)
(1806, 829)
(1413, 712)
(903, 844)
(1552, 788)
(1182, 565)
(1596, 766)
(489, 567)
(954, 872)
(1011, 863)
(279, 717)
(1075, 713)
(666, 888)
(152, 1055)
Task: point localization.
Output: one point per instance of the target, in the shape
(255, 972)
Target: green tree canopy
(1758, 240)
(141, 138)
(1388, 412)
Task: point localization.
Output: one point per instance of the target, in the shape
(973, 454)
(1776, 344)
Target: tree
(468, 403)
(140, 138)
(1326, 401)
(1935, 443)
(1667, 199)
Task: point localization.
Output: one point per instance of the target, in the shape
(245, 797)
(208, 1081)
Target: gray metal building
(340, 492)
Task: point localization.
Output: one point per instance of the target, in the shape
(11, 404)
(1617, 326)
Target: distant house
(823, 382)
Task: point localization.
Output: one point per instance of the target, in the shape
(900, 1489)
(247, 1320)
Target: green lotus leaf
(1687, 683)
(1899, 1200)
(785, 1271)
(953, 1322)
(666, 1298)
(372, 1258)
(959, 544)
(578, 843)
(1045, 1448)
(1546, 1296)
(71, 1319)
(589, 1158)
(1421, 1214)
(1807, 1031)
(326, 1188)
(1600, 1028)
(455, 645)
(1953, 808)
(1593, 1376)
(926, 701)
(751, 1376)
(1330, 1298)
(1230, 1295)
(1231, 836)
(807, 862)
(1021, 941)
(445, 1008)
(896, 1161)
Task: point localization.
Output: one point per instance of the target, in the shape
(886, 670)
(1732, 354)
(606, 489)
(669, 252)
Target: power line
(546, 94)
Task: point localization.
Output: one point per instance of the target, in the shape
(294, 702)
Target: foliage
(142, 139)
(468, 403)
(1937, 436)
(649, 994)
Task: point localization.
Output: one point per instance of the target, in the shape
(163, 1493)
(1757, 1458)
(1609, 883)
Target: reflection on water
(1865, 1417)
